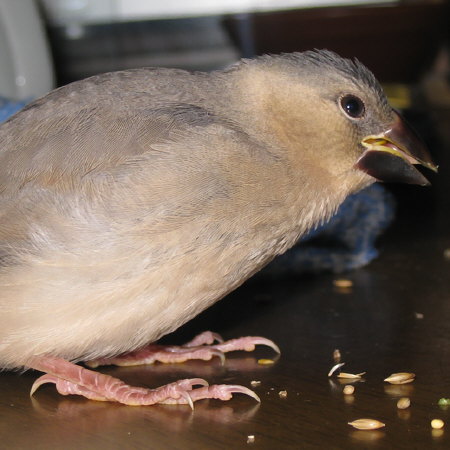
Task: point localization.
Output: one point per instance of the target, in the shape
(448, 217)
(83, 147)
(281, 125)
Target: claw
(218, 353)
(222, 392)
(217, 337)
(246, 391)
(246, 343)
(267, 343)
(197, 382)
(42, 380)
(188, 399)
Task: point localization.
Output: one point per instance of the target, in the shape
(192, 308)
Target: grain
(265, 362)
(282, 394)
(354, 376)
(343, 283)
(437, 424)
(400, 378)
(337, 356)
(366, 424)
(403, 403)
(349, 389)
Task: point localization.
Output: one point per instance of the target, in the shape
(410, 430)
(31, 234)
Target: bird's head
(332, 111)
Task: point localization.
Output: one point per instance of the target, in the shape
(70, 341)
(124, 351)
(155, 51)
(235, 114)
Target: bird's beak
(389, 156)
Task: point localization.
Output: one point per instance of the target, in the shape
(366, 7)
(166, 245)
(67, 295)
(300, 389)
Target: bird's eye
(352, 106)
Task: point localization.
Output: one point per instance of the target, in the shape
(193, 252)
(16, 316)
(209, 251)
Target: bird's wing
(163, 163)
(54, 147)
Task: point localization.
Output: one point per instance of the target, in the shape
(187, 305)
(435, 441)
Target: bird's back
(122, 201)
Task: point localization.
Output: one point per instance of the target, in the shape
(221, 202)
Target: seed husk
(255, 383)
(366, 424)
(403, 403)
(334, 368)
(282, 394)
(354, 376)
(437, 424)
(400, 378)
(349, 389)
(250, 439)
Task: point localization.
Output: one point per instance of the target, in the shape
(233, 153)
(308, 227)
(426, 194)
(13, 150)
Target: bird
(133, 200)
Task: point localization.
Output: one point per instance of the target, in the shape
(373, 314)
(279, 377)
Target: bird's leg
(70, 378)
(201, 347)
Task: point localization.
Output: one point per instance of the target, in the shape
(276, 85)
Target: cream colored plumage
(132, 201)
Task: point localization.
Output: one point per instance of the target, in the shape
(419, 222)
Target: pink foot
(201, 347)
(72, 379)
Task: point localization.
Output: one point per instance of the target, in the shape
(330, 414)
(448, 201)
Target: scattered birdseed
(337, 356)
(444, 402)
(250, 439)
(366, 424)
(400, 378)
(282, 394)
(349, 389)
(403, 403)
(334, 368)
(265, 362)
(255, 383)
(343, 283)
(437, 424)
(354, 376)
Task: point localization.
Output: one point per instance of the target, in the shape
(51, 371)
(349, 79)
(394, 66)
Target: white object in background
(84, 12)
(26, 69)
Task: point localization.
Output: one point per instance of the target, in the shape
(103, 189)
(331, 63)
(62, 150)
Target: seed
(349, 389)
(400, 378)
(337, 356)
(282, 394)
(334, 368)
(250, 439)
(366, 424)
(437, 424)
(355, 376)
(403, 403)
(255, 383)
(265, 362)
(343, 283)
(447, 253)
(444, 402)
(419, 315)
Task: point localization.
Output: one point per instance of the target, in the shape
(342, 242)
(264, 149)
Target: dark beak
(390, 156)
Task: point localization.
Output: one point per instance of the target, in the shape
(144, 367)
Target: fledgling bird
(131, 201)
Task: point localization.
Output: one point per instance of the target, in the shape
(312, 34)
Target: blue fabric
(346, 242)
(8, 108)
